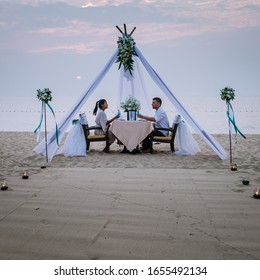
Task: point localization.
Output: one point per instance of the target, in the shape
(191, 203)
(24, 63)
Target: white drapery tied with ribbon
(38, 128)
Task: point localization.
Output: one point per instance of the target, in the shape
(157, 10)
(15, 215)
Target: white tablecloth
(131, 133)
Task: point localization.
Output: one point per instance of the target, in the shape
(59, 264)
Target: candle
(4, 186)
(43, 165)
(233, 167)
(257, 193)
(245, 181)
(25, 175)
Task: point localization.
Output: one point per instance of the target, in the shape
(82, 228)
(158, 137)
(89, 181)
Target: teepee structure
(128, 56)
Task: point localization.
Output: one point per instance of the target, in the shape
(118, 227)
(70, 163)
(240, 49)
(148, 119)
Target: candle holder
(43, 166)
(233, 167)
(4, 186)
(25, 175)
(257, 194)
(245, 181)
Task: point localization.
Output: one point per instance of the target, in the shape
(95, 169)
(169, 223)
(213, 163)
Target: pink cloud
(177, 19)
(78, 49)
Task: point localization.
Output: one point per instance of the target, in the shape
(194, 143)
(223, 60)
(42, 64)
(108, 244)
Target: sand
(125, 206)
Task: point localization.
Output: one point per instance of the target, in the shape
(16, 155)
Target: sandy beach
(125, 206)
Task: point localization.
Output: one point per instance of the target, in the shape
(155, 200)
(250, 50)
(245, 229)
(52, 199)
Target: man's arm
(151, 119)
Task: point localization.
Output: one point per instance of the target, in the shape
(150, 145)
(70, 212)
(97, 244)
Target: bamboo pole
(132, 31)
(45, 132)
(230, 142)
(119, 29)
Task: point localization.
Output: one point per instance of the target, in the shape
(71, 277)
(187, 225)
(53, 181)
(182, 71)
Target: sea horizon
(23, 114)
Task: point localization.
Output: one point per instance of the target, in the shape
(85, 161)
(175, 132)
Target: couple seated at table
(160, 120)
(76, 144)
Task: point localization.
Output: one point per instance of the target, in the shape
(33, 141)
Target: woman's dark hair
(98, 105)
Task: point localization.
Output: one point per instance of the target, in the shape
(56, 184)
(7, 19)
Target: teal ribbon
(41, 119)
(75, 121)
(57, 131)
(232, 119)
(38, 128)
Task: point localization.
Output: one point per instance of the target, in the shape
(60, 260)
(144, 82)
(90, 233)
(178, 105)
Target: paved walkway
(113, 213)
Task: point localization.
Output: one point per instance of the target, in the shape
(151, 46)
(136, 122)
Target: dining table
(131, 133)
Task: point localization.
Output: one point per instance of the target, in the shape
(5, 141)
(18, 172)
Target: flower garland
(227, 94)
(44, 95)
(125, 52)
(131, 104)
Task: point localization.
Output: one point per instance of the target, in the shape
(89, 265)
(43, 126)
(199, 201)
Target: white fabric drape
(188, 118)
(75, 143)
(185, 142)
(133, 85)
(52, 146)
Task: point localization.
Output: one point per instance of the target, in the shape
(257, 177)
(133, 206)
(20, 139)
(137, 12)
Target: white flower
(131, 104)
(227, 94)
(125, 52)
(44, 95)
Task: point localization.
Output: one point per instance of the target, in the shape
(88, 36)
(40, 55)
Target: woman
(102, 121)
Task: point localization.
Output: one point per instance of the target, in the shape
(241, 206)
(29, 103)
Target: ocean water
(23, 114)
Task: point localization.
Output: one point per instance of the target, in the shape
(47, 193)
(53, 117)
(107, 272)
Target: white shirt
(101, 120)
(161, 120)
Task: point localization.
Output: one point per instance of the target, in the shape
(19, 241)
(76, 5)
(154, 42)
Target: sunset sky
(197, 47)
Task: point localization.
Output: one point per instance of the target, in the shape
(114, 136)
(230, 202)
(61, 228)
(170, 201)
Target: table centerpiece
(131, 106)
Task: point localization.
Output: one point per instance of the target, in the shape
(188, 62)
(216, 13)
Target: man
(160, 120)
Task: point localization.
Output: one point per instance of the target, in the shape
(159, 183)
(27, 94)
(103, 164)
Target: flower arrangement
(131, 104)
(44, 95)
(227, 94)
(125, 52)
